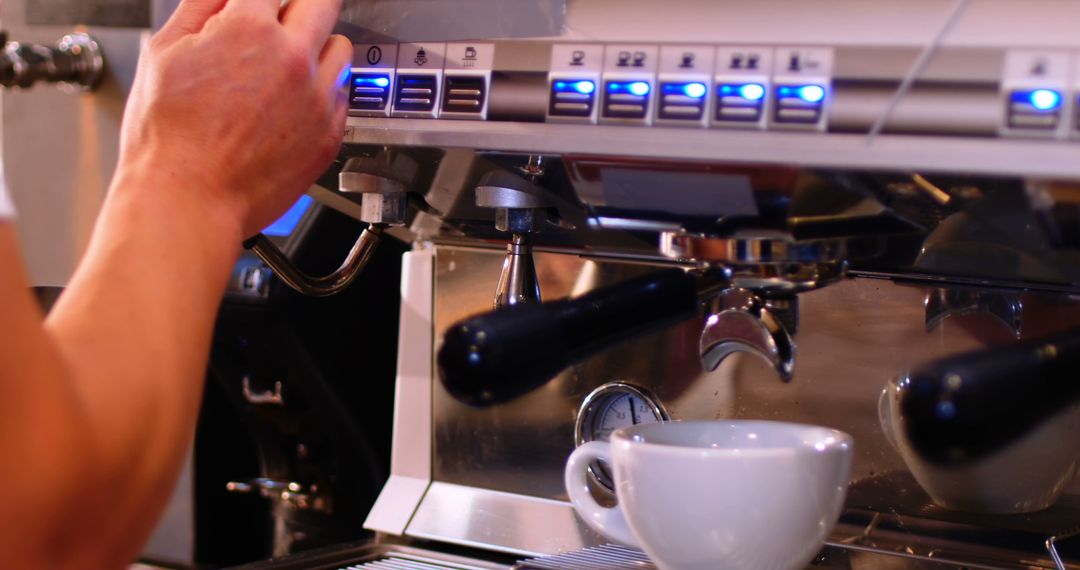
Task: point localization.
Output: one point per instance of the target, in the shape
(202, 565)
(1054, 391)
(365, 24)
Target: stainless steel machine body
(908, 191)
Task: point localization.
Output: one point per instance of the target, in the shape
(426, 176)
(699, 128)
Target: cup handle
(609, 522)
(885, 416)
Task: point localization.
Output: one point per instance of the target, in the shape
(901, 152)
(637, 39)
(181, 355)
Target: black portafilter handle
(498, 356)
(962, 408)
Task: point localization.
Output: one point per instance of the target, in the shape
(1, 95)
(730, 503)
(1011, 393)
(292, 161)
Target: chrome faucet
(520, 206)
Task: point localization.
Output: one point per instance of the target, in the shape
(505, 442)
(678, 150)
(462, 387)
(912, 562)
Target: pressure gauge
(610, 407)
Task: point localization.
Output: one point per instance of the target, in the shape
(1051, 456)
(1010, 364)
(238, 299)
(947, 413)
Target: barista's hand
(237, 105)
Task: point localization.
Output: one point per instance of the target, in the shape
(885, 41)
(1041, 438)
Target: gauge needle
(633, 410)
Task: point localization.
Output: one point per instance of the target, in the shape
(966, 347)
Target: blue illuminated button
(626, 99)
(370, 92)
(684, 102)
(799, 104)
(572, 97)
(1035, 109)
(740, 102)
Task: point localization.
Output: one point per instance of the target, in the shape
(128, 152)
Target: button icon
(421, 57)
(687, 61)
(577, 58)
(1038, 67)
(624, 59)
(470, 53)
(374, 55)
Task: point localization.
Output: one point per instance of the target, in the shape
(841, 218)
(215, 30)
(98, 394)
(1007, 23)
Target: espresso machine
(858, 215)
(861, 216)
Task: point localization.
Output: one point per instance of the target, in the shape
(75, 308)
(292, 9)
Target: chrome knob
(76, 60)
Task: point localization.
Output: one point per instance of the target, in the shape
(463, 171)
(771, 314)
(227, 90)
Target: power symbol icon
(374, 55)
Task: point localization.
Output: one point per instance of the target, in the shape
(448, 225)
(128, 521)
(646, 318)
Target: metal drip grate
(397, 561)
(608, 557)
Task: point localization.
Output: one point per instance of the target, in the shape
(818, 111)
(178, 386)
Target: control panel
(749, 87)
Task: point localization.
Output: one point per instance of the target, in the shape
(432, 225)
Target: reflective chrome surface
(75, 61)
(853, 336)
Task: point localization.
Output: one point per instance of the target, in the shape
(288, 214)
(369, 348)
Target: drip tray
(375, 556)
(853, 547)
(609, 557)
(402, 561)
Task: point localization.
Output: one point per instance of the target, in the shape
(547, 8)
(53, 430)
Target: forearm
(220, 135)
(133, 331)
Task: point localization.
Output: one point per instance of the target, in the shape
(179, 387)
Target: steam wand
(382, 182)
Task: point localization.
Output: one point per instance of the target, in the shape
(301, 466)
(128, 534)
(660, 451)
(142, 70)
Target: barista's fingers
(263, 8)
(190, 17)
(335, 59)
(311, 20)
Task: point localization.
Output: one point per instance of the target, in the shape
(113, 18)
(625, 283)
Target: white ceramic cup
(732, 494)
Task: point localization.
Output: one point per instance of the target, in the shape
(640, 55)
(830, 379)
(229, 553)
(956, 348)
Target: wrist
(181, 198)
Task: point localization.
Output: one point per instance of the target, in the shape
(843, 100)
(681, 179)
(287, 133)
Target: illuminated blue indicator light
(1044, 99)
(695, 90)
(811, 93)
(752, 92)
(638, 88)
(748, 91)
(378, 81)
(583, 87)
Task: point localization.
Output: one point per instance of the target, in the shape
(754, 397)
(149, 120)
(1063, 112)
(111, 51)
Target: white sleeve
(7, 208)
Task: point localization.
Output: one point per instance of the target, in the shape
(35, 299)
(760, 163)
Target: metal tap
(740, 321)
(760, 312)
(75, 61)
(520, 206)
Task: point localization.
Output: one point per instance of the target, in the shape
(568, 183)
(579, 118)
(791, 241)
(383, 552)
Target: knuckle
(296, 63)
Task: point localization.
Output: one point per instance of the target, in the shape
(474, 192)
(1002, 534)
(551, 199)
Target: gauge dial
(613, 406)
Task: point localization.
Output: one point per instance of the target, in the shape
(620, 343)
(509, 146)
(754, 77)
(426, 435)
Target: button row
(740, 104)
(694, 86)
(421, 80)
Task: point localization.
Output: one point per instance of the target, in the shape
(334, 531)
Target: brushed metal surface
(1017, 157)
(491, 466)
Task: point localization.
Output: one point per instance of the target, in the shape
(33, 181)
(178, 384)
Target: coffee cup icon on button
(578, 57)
